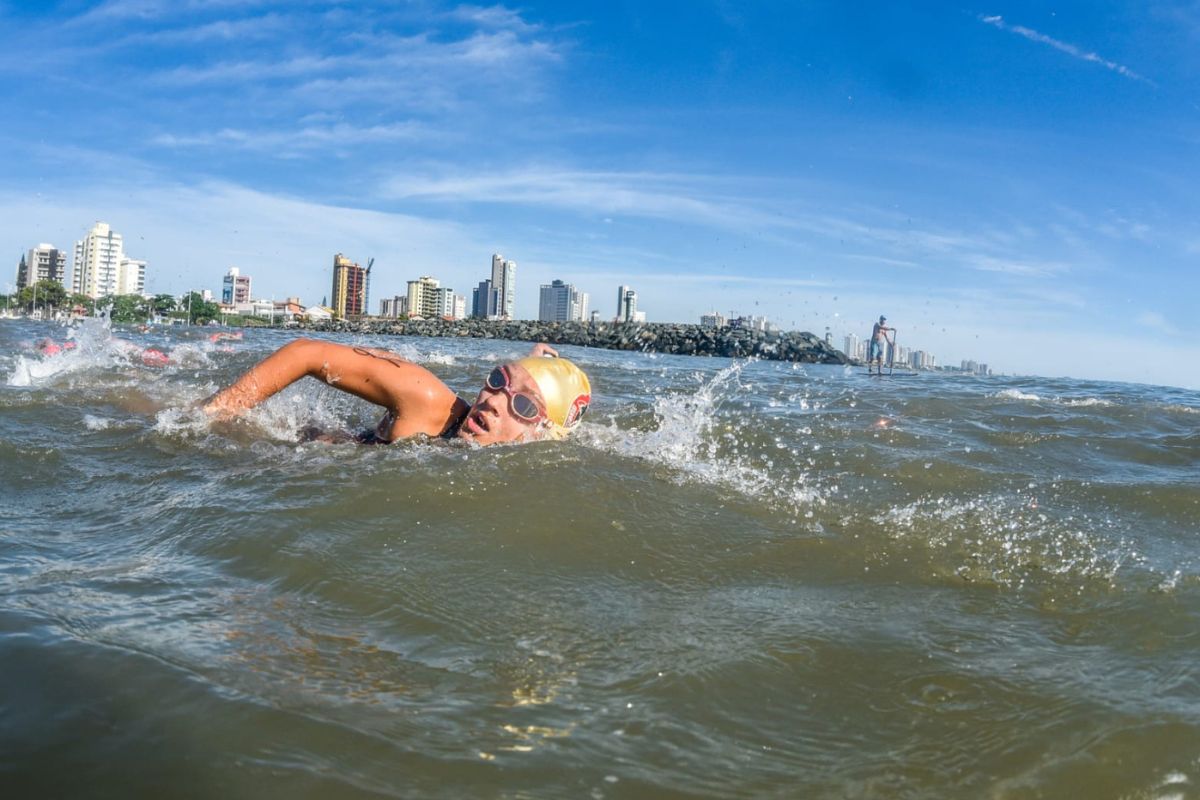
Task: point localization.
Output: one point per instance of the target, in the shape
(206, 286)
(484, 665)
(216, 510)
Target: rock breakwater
(672, 338)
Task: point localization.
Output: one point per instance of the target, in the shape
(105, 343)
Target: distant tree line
(50, 296)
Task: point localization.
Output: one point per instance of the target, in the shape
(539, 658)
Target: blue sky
(1010, 182)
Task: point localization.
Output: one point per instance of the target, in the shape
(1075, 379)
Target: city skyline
(1007, 183)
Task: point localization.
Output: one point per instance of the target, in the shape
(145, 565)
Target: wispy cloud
(639, 194)
(1157, 323)
(1065, 47)
(293, 143)
(246, 75)
(494, 17)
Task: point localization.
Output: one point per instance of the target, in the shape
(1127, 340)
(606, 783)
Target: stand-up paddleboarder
(877, 349)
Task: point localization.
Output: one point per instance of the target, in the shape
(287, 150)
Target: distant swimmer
(153, 357)
(877, 349)
(49, 347)
(225, 336)
(542, 396)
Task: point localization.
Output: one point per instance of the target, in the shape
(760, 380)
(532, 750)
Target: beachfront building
(131, 276)
(235, 288)
(394, 307)
(504, 282)
(450, 305)
(318, 314)
(349, 288)
(627, 310)
(757, 323)
(100, 267)
(42, 263)
(288, 309)
(485, 300)
(850, 345)
(713, 320)
(562, 302)
(423, 298)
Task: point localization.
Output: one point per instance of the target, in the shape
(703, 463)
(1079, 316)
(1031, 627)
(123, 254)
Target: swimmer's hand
(543, 349)
(218, 407)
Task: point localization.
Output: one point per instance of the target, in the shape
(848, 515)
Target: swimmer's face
(493, 419)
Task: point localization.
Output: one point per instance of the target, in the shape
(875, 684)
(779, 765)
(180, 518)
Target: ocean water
(739, 580)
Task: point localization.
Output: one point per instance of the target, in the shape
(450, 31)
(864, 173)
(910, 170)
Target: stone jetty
(657, 337)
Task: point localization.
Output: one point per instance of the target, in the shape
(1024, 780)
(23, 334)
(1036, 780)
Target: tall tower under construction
(349, 288)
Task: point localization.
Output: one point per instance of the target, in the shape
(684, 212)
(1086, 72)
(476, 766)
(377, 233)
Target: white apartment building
(131, 276)
(43, 263)
(450, 304)
(504, 282)
(562, 302)
(393, 307)
(101, 267)
(97, 270)
(424, 298)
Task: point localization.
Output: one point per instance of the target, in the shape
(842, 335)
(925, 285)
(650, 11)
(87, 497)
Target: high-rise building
(562, 302)
(450, 305)
(485, 300)
(713, 320)
(627, 305)
(131, 277)
(43, 263)
(424, 298)
(504, 282)
(394, 307)
(235, 288)
(349, 288)
(97, 271)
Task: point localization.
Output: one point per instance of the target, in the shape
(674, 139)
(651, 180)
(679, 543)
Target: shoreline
(654, 337)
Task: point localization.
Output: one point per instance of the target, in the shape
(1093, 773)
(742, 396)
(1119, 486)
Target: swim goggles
(523, 405)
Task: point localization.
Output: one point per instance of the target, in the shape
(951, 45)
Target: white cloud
(494, 17)
(1157, 323)
(282, 144)
(652, 195)
(1064, 47)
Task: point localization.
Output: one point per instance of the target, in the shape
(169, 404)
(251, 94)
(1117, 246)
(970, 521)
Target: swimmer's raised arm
(543, 349)
(416, 400)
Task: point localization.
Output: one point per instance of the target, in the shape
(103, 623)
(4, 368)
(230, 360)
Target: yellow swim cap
(565, 390)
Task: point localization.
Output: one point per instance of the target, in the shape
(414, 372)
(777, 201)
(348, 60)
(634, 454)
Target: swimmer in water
(538, 397)
(225, 336)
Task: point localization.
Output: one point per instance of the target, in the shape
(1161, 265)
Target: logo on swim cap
(577, 410)
(565, 389)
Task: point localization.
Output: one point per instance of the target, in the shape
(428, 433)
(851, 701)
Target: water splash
(699, 443)
(1008, 541)
(91, 344)
(1014, 394)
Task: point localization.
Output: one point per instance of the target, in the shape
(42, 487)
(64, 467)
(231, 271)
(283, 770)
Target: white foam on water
(1088, 402)
(94, 423)
(1181, 408)
(182, 421)
(691, 439)
(409, 352)
(1014, 394)
(1008, 540)
(91, 345)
